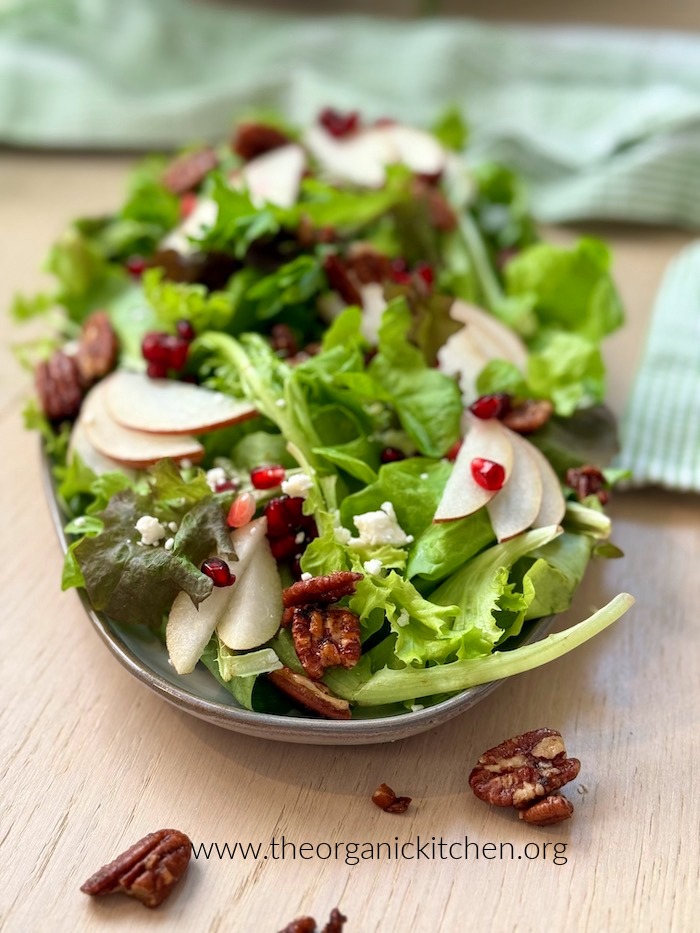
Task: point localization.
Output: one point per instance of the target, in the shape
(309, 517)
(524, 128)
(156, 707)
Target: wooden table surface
(91, 760)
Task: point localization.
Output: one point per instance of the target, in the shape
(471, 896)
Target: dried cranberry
(488, 474)
(242, 510)
(188, 202)
(185, 330)
(267, 477)
(392, 455)
(219, 571)
(496, 405)
(587, 481)
(136, 266)
(454, 450)
(339, 124)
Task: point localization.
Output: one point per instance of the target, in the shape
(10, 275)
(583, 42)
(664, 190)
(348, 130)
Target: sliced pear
(90, 456)
(358, 159)
(189, 627)
(203, 216)
(254, 612)
(419, 150)
(493, 335)
(163, 406)
(275, 177)
(518, 504)
(462, 356)
(462, 495)
(553, 504)
(130, 448)
(373, 306)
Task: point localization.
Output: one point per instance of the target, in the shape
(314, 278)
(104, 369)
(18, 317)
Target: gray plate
(198, 693)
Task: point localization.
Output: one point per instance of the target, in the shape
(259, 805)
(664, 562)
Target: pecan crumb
(523, 770)
(587, 481)
(335, 924)
(385, 798)
(147, 871)
(529, 416)
(549, 810)
(314, 696)
(188, 171)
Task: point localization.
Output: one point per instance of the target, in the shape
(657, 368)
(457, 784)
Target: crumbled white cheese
(297, 485)
(306, 576)
(150, 529)
(80, 521)
(403, 618)
(424, 476)
(299, 538)
(169, 544)
(416, 707)
(377, 528)
(215, 477)
(172, 526)
(186, 463)
(280, 402)
(374, 566)
(342, 535)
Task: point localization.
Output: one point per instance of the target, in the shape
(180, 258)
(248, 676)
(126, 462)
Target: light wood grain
(91, 760)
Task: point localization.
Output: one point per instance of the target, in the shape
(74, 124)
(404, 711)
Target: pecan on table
(147, 871)
(325, 638)
(549, 810)
(97, 349)
(522, 770)
(529, 416)
(59, 387)
(255, 139)
(187, 172)
(385, 798)
(321, 590)
(335, 923)
(587, 481)
(314, 696)
(308, 924)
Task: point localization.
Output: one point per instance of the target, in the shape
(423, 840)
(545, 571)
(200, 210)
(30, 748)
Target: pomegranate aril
(242, 510)
(295, 510)
(425, 273)
(279, 522)
(283, 548)
(219, 571)
(188, 202)
(155, 348)
(339, 124)
(136, 266)
(392, 455)
(496, 405)
(267, 477)
(454, 450)
(178, 348)
(157, 371)
(488, 474)
(185, 330)
(227, 485)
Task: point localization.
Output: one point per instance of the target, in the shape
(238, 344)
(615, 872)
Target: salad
(325, 415)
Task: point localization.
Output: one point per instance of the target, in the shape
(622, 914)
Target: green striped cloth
(661, 427)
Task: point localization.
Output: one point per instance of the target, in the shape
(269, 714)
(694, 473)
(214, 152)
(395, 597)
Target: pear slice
(203, 216)
(419, 150)
(462, 494)
(462, 356)
(494, 337)
(275, 177)
(357, 159)
(90, 456)
(518, 504)
(373, 307)
(126, 447)
(163, 406)
(190, 627)
(553, 504)
(253, 614)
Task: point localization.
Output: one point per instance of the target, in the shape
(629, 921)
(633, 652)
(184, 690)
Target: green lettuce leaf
(451, 129)
(440, 548)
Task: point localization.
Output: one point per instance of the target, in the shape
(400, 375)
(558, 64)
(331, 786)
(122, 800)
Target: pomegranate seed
(155, 349)
(185, 330)
(188, 202)
(295, 510)
(242, 510)
(491, 406)
(401, 278)
(296, 567)
(267, 477)
(488, 474)
(157, 371)
(136, 266)
(178, 348)
(309, 528)
(283, 548)
(279, 522)
(425, 273)
(227, 485)
(339, 124)
(219, 571)
(392, 455)
(454, 450)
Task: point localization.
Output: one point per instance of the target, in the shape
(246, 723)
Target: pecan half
(523, 769)
(97, 349)
(335, 923)
(340, 280)
(529, 416)
(587, 481)
(147, 871)
(321, 590)
(440, 212)
(325, 638)
(58, 386)
(385, 798)
(255, 139)
(316, 697)
(188, 171)
(552, 809)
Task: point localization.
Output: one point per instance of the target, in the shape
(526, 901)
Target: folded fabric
(661, 427)
(603, 123)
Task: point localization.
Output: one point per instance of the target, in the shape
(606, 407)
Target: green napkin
(602, 123)
(661, 427)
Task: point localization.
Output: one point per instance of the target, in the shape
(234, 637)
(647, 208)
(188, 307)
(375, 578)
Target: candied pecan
(523, 769)
(440, 212)
(321, 590)
(587, 481)
(335, 923)
(552, 809)
(385, 798)
(97, 349)
(255, 139)
(340, 280)
(325, 638)
(301, 925)
(529, 416)
(314, 696)
(59, 387)
(367, 265)
(147, 871)
(187, 172)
